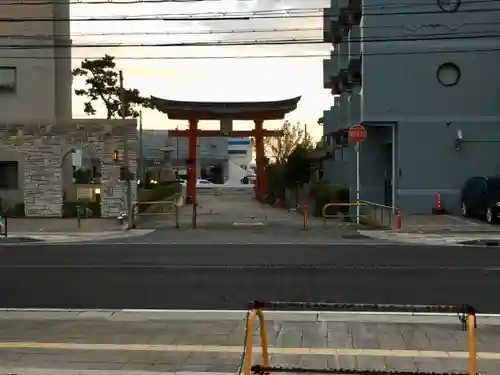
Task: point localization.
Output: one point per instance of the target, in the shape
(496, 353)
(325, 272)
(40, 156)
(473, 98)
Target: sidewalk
(444, 239)
(243, 210)
(94, 340)
(65, 237)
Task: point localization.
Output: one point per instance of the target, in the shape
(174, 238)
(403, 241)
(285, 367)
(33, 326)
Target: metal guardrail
(172, 209)
(345, 215)
(381, 216)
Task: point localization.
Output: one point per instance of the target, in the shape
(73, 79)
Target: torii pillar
(260, 159)
(192, 159)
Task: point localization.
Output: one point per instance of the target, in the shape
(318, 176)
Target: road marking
(248, 223)
(238, 349)
(298, 266)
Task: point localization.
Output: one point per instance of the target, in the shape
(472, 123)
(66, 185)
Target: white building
(35, 75)
(239, 151)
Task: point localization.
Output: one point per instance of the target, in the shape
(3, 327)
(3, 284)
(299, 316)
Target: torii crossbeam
(226, 112)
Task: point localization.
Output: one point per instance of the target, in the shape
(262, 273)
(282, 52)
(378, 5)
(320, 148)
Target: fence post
(471, 323)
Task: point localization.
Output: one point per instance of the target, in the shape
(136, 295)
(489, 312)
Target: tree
(102, 84)
(278, 149)
(297, 168)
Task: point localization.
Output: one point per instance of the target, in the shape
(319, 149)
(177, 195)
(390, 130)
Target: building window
(9, 175)
(8, 79)
(449, 6)
(448, 74)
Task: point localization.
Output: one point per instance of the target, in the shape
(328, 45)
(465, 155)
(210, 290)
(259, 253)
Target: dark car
(481, 198)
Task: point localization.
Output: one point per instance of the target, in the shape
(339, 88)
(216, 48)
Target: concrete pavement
(237, 210)
(435, 239)
(215, 276)
(145, 346)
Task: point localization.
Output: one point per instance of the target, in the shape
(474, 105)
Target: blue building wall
(402, 50)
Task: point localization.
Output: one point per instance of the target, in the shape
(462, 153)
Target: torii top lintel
(181, 110)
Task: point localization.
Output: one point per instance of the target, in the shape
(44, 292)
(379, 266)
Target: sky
(235, 79)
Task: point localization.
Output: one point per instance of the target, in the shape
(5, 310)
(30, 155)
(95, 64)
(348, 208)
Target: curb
(64, 371)
(127, 315)
(59, 238)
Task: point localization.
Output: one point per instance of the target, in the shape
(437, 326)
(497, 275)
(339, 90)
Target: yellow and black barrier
(326, 216)
(466, 315)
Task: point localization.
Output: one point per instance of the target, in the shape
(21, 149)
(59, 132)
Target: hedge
(323, 192)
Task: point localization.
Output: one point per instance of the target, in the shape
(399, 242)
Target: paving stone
(389, 336)
(440, 365)
(444, 337)
(343, 361)
(339, 335)
(414, 337)
(284, 334)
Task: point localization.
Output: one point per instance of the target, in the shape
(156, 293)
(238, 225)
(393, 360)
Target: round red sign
(357, 133)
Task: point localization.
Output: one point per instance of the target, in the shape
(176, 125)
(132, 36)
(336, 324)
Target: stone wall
(41, 148)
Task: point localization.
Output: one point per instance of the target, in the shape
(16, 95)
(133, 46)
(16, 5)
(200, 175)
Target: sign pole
(357, 182)
(357, 134)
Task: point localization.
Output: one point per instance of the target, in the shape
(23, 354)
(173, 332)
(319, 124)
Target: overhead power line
(451, 29)
(135, 2)
(258, 42)
(252, 57)
(220, 16)
(45, 36)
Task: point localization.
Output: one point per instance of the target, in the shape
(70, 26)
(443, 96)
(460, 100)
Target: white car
(203, 182)
(199, 182)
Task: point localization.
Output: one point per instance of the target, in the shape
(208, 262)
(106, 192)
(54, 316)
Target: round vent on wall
(448, 74)
(449, 6)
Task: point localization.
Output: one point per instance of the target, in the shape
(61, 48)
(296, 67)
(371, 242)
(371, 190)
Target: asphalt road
(228, 276)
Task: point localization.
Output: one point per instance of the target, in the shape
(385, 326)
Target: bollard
(5, 227)
(471, 323)
(78, 217)
(305, 208)
(398, 221)
(194, 215)
(177, 217)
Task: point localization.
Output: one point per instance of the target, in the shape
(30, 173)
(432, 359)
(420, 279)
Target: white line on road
(255, 267)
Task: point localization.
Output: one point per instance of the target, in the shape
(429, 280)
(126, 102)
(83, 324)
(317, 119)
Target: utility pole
(126, 163)
(141, 150)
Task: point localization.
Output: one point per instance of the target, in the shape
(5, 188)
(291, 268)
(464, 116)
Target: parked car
(480, 198)
(203, 182)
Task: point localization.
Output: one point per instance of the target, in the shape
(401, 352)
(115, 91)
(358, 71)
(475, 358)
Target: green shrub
(322, 192)
(87, 209)
(275, 183)
(16, 210)
(160, 192)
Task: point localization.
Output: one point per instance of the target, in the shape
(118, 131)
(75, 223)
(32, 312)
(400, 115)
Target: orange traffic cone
(438, 208)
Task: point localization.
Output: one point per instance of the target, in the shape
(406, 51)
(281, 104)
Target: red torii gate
(257, 112)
